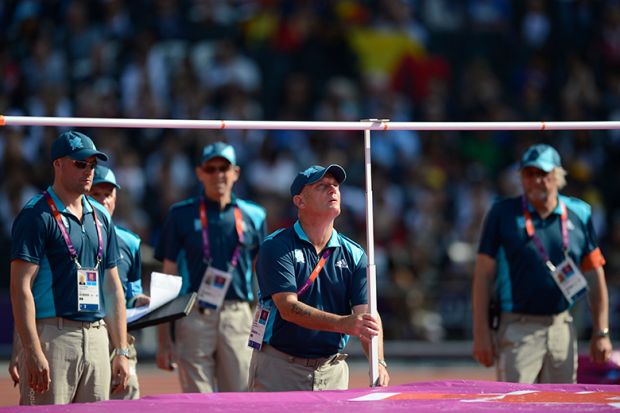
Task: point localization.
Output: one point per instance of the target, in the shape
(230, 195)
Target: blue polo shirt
(181, 242)
(285, 261)
(130, 263)
(524, 283)
(37, 239)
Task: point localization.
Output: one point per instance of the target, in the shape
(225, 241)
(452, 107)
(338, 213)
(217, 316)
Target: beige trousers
(211, 348)
(537, 349)
(79, 362)
(273, 370)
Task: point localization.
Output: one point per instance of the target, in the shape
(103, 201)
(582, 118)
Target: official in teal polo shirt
(211, 241)
(104, 191)
(540, 248)
(313, 294)
(64, 280)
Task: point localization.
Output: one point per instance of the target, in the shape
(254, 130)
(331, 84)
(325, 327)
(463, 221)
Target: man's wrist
(121, 352)
(383, 363)
(602, 333)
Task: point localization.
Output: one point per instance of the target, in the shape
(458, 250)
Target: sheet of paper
(164, 288)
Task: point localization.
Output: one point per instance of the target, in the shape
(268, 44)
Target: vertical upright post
(371, 272)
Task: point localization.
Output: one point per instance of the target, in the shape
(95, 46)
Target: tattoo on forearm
(299, 310)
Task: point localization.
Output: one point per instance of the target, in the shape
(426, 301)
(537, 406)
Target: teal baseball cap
(104, 175)
(76, 146)
(541, 156)
(314, 174)
(219, 150)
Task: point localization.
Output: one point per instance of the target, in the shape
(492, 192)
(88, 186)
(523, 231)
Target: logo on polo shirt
(341, 264)
(299, 256)
(569, 225)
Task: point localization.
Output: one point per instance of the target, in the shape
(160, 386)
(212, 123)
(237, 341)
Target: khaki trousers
(79, 362)
(537, 349)
(273, 370)
(211, 348)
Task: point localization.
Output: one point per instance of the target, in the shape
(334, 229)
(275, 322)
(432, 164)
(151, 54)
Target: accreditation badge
(213, 288)
(570, 280)
(259, 324)
(88, 290)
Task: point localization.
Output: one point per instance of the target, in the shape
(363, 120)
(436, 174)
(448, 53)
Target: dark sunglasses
(209, 169)
(84, 164)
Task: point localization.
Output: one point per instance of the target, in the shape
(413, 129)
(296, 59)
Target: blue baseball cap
(104, 175)
(76, 146)
(541, 156)
(219, 150)
(314, 174)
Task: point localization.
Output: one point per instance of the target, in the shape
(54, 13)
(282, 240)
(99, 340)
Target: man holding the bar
(313, 295)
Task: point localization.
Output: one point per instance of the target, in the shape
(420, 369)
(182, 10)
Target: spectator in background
(542, 250)
(211, 241)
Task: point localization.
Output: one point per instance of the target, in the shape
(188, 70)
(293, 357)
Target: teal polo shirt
(181, 242)
(130, 263)
(524, 283)
(285, 261)
(37, 239)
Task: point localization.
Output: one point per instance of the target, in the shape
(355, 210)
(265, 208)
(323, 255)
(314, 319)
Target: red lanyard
(205, 233)
(315, 272)
(529, 227)
(65, 234)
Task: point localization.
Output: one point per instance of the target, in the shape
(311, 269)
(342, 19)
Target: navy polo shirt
(37, 239)
(524, 283)
(130, 263)
(181, 242)
(285, 262)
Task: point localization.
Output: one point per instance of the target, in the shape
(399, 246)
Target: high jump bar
(372, 124)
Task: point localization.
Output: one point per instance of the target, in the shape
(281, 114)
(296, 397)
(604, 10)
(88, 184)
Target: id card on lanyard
(88, 289)
(570, 280)
(215, 282)
(87, 279)
(566, 275)
(263, 309)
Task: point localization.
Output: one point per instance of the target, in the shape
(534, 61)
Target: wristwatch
(602, 333)
(383, 363)
(121, 352)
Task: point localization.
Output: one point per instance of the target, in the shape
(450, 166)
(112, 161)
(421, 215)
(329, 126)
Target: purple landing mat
(438, 396)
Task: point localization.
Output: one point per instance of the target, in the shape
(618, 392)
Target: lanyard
(529, 226)
(65, 234)
(315, 272)
(204, 223)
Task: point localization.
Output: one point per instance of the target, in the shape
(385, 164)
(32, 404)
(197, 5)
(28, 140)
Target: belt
(536, 318)
(314, 363)
(65, 322)
(227, 304)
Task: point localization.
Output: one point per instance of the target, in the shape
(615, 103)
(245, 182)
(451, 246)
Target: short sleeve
(490, 236)
(169, 244)
(275, 271)
(28, 237)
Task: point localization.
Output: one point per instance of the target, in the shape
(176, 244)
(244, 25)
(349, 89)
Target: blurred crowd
(327, 60)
